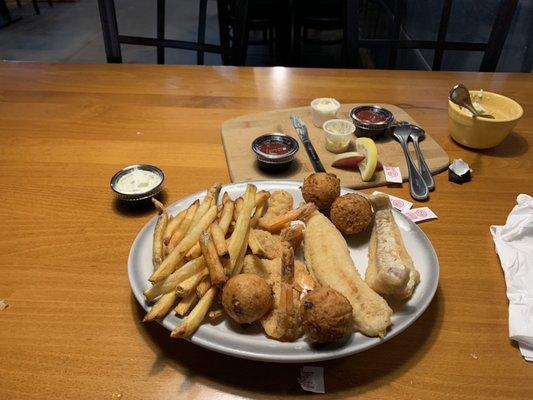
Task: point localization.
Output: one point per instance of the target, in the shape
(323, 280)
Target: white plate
(251, 343)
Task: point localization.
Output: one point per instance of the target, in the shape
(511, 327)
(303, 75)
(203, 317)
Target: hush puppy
(322, 189)
(246, 298)
(351, 213)
(326, 315)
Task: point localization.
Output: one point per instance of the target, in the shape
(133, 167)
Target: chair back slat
(492, 48)
(441, 36)
(498, 35)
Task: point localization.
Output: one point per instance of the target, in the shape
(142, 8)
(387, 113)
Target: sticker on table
(420, 214)
(399, 204)
(312, 379)
(392, 174)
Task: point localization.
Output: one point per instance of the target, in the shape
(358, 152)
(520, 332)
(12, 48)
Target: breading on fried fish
(264, 244)
(390, 268)
(279, 203)
(328, 259)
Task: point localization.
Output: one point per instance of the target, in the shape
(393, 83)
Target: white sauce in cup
(138, 181)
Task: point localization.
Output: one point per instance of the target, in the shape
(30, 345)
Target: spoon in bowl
(461, 96)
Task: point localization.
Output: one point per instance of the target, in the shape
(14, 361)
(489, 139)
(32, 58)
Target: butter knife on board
(301, 129)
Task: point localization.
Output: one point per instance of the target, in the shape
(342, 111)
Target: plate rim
(276, 358)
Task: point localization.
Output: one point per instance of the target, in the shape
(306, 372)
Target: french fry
(215, 191)
(189, 325)
(169, 264)
(226, 216)
(214, 315)
(194, 252)
(240, 259)
(173, 225)
(173, 280)
(161, 308)
(219, 239)
(298, 213)
(208, 201)
(238, 207)
(203, 286)
(240, 232)
(260, 206)
(216, 271)
(258, 213)
(159, 230)
(261, 197)
(220, 243)
(180, 233)
(189, 285)
(225, 198)
(185, 304)
(158, 205)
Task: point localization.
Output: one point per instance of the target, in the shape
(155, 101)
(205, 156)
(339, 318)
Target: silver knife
(301, 129)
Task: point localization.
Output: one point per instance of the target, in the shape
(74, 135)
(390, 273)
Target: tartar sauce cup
(137, 182)
(323, 109)
(339, 134)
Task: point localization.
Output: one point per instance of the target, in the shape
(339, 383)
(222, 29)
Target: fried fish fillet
(270, 270)
(328, 259)
(390, 267)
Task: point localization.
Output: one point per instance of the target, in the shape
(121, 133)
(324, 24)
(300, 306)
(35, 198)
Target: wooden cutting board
(238, 134)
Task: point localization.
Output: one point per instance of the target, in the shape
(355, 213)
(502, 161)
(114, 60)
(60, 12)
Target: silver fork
(416, 134)
(417, 186)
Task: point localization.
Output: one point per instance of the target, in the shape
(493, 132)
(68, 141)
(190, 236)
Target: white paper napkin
(514, 245)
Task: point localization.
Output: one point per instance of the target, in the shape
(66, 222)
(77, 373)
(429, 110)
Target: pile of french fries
(196, 251)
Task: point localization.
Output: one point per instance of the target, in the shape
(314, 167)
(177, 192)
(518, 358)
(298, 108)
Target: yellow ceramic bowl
(483, 133)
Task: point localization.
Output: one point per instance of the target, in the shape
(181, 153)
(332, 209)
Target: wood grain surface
(73, 330)
(239, 133)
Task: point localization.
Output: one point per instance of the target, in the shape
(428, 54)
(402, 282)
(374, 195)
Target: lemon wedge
(367, 147)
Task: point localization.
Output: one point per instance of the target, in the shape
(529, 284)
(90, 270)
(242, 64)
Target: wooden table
(72, 329)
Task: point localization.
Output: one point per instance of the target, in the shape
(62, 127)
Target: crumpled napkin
(514, 245)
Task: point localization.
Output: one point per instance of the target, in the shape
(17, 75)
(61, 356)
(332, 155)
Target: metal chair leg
(202, 16)
(108, 18)
(19, 4)
(223, 28)
(297, 42)
(351, 27)
(160, 30)
(242, 33)
(50, 3)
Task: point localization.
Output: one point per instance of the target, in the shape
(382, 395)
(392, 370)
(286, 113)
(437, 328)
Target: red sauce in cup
(370, 116)
(274, 147)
